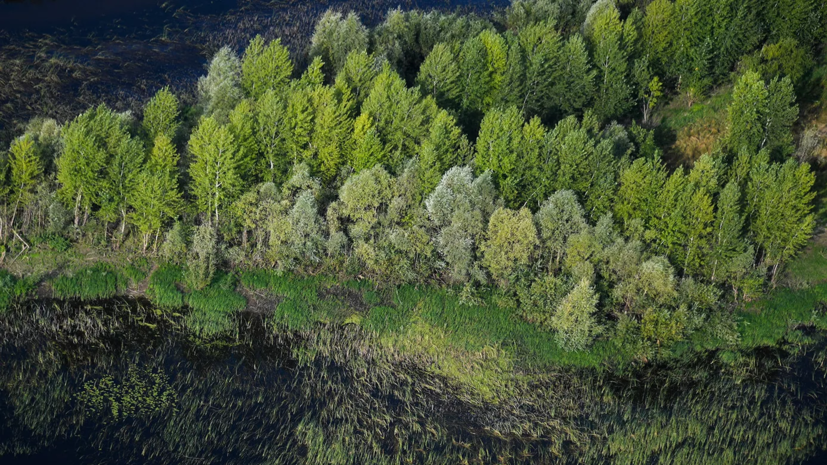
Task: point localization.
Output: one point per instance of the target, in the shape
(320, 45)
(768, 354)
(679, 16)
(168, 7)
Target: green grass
(13, 289)
(99, 281)
(766, 322)
(163, 290)
(677, 116)
(213, 306)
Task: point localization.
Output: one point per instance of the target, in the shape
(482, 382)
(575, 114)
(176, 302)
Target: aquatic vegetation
(141, 392)
(99, 281)
(213, 307)
(163, 286)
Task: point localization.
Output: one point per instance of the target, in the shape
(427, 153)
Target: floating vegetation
(345, 400)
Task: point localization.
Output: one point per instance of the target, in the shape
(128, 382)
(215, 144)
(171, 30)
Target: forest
(515, 155)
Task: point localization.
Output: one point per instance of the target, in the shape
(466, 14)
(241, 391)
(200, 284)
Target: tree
(649, 88)
(121, 178)
(577, 77)
(364, 196)
(368, 149)
(604, 31)
(459, 208)
(761, 116)
(220, 90)
(357, 75)
(443, 148)
(510, 242)
(157, 197)
(439, 76)
(203, 258)
(574, 320)
(214, 169)
(265, 67)
(542, 47)
(271, 130)
(640, 185)
(656, 32)
(26, 170)
(331, 133)
(335, 37)
(727, 235)
(401, 119)
(560, 217)
(242, 126)
(161, 115)
(779, 204)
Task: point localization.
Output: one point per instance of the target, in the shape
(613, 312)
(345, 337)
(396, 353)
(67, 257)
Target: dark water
(117, 382)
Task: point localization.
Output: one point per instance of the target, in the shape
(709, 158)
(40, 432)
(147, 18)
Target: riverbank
(482, 347)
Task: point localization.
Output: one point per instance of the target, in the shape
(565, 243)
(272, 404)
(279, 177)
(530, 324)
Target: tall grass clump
(13, 289)
(213, 306)
(300, 304)
(163, 286)
(99, 281)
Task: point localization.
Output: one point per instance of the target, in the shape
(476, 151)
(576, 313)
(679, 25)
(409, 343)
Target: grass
(213, 306)
(13, 289)
(100, 281)
(163, 287)
(690, 132)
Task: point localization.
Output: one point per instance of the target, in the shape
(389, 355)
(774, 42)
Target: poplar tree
(220, 90)
(357, 75)
(560, 217)
(242, 126)
(368, 149)
(270, 134)
(265, 67)
(214, 169)
(542, 48)
(443, 148)
(727, 234)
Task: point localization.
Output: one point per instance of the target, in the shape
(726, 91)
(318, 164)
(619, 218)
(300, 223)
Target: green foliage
(220, 90)
(574, 318)
(213, 307)
(100, 281)
(214, 169)
(203, 258)
(265, 67)
(26, 170)
(510, 242)
(13, 290)
(140, 393)
(161, 115)
(163, 287)
(335, 37)
(439, 76)
(761, 115)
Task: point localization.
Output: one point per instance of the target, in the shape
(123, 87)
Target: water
(117, 382)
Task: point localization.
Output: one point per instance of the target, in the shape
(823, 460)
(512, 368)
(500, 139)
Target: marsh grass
(13, 290)
(163, 287)
(100, 281)
(213, 307)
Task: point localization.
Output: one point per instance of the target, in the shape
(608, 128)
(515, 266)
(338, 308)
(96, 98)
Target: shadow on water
(119, 382)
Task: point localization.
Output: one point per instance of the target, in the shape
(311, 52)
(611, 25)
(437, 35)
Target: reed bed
(100, 281)
(213, 307)
(13, 290)
(163, 290)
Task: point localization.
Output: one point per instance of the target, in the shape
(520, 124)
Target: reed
(214, 306)
(100, 281)
(163, 287)
(13, 290)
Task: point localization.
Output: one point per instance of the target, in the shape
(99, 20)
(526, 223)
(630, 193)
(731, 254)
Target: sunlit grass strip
(99, 281)
(767, 321)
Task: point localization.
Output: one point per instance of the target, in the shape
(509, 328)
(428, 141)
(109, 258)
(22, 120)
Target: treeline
(452, 148)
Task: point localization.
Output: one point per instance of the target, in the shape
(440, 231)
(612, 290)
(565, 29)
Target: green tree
(779, 204)
(26, 170)
(577, 78)
(656, 33)
(560, 217)
(161, 115)
(213, 172)
(368, 149)
(157, 197)
(459, 208)
(604, 30)
(220, 90)
(443, 148)
(575, 320)
(542, 47)
(271, 131)
(439, 76)
(509, 244)
(331, 134)
(203, 258)
(357, 75)
(265, 67)
(761, 116)
(335, 37)
(242, 126)
(121, 178)
(728, 243)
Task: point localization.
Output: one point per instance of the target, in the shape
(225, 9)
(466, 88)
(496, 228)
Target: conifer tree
(368, 149)
(576, 88)
(335, 37)
(727, 233)
(242, 126)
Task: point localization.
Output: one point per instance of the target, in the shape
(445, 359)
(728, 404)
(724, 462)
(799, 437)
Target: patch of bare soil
(260, 302)
(352, 298)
